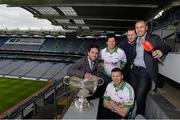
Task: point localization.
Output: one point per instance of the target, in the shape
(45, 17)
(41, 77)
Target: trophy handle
(100, 81)
(66, 80)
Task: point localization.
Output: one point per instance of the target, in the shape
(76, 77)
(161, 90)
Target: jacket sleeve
(122, 44)
(159, 44)
(76, 69)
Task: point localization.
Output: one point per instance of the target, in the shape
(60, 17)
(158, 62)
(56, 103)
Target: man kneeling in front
(118, 97)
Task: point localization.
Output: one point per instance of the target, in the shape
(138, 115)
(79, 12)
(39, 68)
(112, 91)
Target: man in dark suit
(145, 67)
(86, 67)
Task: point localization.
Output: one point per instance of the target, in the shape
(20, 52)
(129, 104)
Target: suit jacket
(79, 68)
(150, 62)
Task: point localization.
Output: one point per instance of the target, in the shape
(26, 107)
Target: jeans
(141, 82)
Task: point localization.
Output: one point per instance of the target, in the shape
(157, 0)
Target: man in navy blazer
(128, 45)
(145, 64)
(86, 67)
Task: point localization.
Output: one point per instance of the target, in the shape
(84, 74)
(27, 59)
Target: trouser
(126, 74)
(141, 82)
(108, 114)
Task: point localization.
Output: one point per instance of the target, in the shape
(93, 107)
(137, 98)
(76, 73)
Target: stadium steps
(59, 71)
(30, 70)
(23, 69)
(5, 62)
(59, 75)
(39, 70)
(11, 67)
(52, 71)
(46, 71)
(17, 67)
(62, 45)
(56, 45)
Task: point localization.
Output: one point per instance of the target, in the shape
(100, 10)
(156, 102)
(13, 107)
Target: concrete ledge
(157, 107)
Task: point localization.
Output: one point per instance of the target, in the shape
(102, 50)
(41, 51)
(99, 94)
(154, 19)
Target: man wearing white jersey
(112, 56)
(118, 97)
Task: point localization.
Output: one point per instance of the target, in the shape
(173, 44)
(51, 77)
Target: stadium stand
(3, 40)
(49, 45)
(3, 63)
(44, 59)
(39, 70)
(62, 45)
(21, 47)
(61, 74)
(24, 69)
(57, 67)
(27, 44)
(11, 67)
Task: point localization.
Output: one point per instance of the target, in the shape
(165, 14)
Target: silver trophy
(86, 88)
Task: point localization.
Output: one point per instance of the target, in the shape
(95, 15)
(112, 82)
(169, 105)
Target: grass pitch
(14, 90)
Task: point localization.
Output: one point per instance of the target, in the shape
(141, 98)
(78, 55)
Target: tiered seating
(11, 67)
(44, 70)
(62, 45)
(39, 70)
(60, 74)
(3, 40)
(3, 63)
(9, 46)
(33, 69)
(53, 71)
(24, 69)
(73, 46)
(49, 45)
(26, 44)
(53, 45)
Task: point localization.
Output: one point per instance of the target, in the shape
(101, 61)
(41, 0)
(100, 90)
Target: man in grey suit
(86, 67)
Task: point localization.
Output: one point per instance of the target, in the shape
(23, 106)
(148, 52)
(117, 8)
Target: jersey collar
(113, 51)
(121, 86)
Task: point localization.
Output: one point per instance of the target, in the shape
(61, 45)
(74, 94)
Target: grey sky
(16, 17)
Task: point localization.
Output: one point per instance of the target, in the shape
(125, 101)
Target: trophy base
(82, 104)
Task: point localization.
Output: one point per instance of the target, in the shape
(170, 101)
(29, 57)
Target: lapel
(87, 64)
(146, 54)
(134, 49)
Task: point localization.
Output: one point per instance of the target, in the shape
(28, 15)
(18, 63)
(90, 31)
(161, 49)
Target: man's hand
(113, 105)
(157, 54)
(89, 76)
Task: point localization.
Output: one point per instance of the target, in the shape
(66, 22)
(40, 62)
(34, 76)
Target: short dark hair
(131, 28)
(110, 36)
(93, 46)
(116, 70)
(141, 20)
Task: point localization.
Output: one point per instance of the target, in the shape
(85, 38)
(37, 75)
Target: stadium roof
(94, 17)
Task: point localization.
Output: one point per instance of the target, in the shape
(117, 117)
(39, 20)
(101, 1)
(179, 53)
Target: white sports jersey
(124, 96)
(112, 60)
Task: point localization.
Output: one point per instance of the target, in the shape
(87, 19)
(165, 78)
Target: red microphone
(148, 46)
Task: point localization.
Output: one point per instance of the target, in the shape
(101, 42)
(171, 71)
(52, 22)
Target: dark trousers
(141, 82)
(126, 73)
(108, 114)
